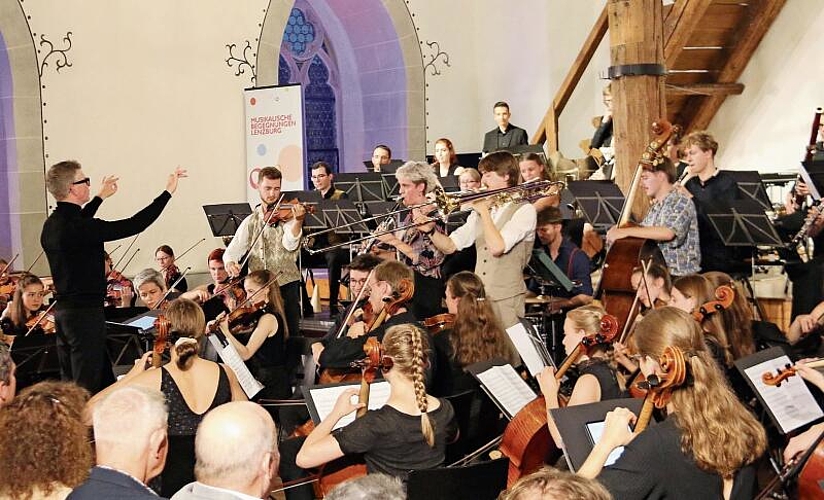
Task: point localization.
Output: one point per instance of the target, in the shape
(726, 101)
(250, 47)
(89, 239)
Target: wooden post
(636, 37)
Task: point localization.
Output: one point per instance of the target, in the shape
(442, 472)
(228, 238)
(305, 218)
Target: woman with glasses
(26, 303)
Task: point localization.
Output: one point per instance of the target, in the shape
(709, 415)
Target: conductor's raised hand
(171, 183)
(108, 187)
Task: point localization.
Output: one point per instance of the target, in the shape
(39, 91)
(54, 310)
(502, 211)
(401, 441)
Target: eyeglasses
(320, 176)
(358, 282)
(87, 181)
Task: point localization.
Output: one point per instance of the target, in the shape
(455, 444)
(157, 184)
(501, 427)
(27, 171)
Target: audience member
(130, 443)
(553, 484)
(237, 454)
(44, 443)
(369, 487)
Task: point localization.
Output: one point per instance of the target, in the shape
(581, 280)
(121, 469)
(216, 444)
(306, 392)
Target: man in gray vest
(503, 236)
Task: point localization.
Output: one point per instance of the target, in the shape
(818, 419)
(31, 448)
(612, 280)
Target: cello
(526, 440)
(615, 289)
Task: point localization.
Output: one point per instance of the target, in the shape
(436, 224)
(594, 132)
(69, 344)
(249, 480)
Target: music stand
(361, 187)
(342, 215)
(743, 223)
(600, 201)
(224, 219)
(391, 187)
(35, 356)
(751, 186)
(547, 271)
(450, 183)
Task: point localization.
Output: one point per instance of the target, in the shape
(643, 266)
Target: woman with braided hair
(410, 432)
(192, 386)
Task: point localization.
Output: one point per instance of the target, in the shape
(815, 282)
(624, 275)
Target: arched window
(306, 58)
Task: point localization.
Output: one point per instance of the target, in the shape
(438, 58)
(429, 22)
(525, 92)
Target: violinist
(223, 296)
(386, 288)
(708, 445)
(688, 294)
(671, 221)
(503, 237)
(415, 181)
(119, 289)
(165, 258)
(73, 243)
(5, 289)
(259, 335)
(192, 387)
(475, 335)
(409, 433)
(277, 243)
(25, 306)
(151, 288)
(598, 379)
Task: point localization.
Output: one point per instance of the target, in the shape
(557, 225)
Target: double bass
(615, 289)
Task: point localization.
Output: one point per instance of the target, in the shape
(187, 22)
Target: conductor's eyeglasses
(87, 181)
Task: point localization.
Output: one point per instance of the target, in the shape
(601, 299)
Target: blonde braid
(420, 389)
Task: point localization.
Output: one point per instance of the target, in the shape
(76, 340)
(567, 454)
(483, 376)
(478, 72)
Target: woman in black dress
(707, 445)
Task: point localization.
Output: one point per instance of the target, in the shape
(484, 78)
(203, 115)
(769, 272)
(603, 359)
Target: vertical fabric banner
(274, 136)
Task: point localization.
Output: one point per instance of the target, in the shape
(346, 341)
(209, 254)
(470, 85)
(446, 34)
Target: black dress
(268, 363)
(653, 466)
(605, 375)
(180, 462)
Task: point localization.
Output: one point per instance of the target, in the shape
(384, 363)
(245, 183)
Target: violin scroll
(161, 341)
(725, 296)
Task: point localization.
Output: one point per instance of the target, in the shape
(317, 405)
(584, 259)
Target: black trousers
(335, 260)
(81, 347)
(290, 292)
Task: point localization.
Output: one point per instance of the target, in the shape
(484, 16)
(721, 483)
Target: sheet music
(526, 348)
(325, 398)
(232, 359)
(792, 404)
(507, 387)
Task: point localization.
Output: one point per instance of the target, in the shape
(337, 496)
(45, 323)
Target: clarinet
(808, 223)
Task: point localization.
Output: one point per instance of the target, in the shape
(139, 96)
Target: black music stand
(450, 183)
(226, 218)
(340, 214)
(391, 187)
(35, 356)
(751, 186)
(600, 201)
(743, 223)
(361, 187)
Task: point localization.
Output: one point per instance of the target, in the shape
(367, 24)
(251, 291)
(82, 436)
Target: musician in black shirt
(73, 242)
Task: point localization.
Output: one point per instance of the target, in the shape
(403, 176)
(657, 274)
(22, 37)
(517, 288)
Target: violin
(659, 387)
(782, 374)
(246, 317)
(161, 340)
(42, 323)
(116, 283)
(282, 212)
(172, 274)
(439, 323)
(725, 296)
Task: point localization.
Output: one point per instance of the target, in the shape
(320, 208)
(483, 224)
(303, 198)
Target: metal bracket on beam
(614, 72)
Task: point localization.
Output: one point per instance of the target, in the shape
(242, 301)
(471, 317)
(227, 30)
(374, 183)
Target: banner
(274, 136)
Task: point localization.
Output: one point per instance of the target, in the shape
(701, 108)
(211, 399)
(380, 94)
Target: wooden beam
(570, 82)
(705, 89)
(636, 37)
(680, 23)
(756, 25)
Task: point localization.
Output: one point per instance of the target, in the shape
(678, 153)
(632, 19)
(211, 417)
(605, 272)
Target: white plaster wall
(148, 90)
(502, 52)
(767, 127)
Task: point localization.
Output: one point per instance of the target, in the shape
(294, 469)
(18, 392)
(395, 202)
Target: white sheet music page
(232, 359)
(792, 404)
(325, 398)
(506, 386)
(523, 343)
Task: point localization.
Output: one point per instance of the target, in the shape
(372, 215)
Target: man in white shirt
(503, 236)
(237, 454)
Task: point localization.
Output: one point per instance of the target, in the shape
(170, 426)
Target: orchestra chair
(462, 404)
(481, 481)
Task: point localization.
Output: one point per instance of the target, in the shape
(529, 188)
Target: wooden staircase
(707, 45)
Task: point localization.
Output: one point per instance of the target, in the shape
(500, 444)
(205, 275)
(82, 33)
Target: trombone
(449, 203)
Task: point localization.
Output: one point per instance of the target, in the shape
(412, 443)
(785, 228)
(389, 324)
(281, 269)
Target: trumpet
(448, 203)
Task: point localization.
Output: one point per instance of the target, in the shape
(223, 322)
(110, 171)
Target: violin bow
(31, 266)
(260, 232)
(126, 252)
(114, 250)
(128, 261)
(8, 265)
(41, 318)
(354, 304)
(166, 295)
(190, 248)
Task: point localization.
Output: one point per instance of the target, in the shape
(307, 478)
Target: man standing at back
(237, 454)
(324, 181)
(130, 444)
(505, 135)
(73, 242)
